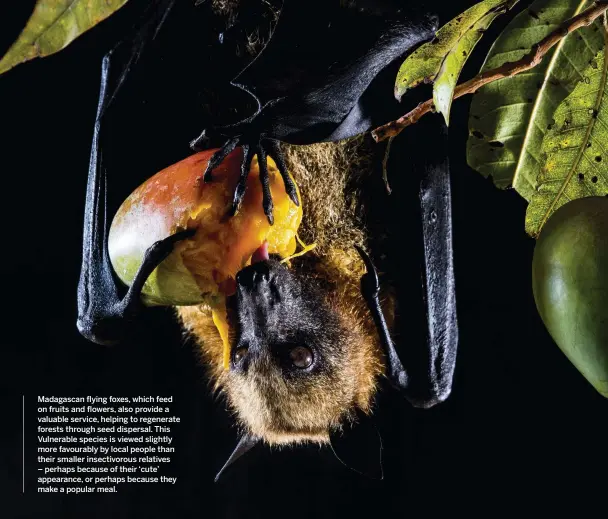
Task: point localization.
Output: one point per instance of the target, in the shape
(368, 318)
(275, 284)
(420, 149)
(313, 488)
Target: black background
(522, 430)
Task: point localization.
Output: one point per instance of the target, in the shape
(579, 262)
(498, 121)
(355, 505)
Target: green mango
(570, 284)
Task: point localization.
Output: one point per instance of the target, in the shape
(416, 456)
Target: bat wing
(310, 79)
(412, 238)
(323, 55)
(103, 314)
(296, 52)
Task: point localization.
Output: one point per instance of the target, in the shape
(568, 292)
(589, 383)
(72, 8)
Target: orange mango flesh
(200, 270)
(223, 246)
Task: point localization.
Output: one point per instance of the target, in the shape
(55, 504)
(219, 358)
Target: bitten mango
(201, 269)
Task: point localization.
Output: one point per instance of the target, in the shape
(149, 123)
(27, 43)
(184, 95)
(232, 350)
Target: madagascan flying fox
(310, 342)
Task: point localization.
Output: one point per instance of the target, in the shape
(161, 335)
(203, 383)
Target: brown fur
(281, 411)
(264, 404)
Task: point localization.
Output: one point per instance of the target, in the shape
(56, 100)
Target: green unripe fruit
(570, 284)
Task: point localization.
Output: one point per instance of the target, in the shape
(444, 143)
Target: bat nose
(253, 275)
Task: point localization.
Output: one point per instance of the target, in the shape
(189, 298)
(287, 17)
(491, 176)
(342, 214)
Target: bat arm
(370, 288)
(153, 257)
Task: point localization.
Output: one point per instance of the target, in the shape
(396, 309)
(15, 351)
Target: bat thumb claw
(200, 143)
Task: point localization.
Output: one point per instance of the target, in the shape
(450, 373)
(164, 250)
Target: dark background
(523, 431)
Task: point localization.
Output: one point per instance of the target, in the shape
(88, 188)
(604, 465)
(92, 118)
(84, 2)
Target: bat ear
(359, 447)
(246, 443)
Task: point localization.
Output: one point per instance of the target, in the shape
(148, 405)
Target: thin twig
(387, 153)
(528, 61)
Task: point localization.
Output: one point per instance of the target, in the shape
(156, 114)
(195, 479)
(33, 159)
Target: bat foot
(272, 148)
(218, 157)
(263, 148)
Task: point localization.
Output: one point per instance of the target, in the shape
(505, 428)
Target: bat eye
(301, 357)
(239, 355)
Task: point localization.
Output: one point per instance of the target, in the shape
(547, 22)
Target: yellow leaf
(54, 24)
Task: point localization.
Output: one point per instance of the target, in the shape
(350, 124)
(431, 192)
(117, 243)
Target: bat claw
(273, 149)
(236, 203)
(263, 148)
(195, 144)
(267, 202)
(370, 284)
(241, 187)
(268, 212)
(218, 157)
(107, 323)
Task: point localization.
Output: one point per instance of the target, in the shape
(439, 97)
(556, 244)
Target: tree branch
(528, 61)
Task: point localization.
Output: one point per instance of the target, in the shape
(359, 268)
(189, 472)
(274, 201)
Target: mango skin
(570, 285)
(199, 270)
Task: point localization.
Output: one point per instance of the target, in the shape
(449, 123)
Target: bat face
(299, 366)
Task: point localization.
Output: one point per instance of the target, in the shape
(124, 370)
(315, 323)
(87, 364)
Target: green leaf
(53, 25)
(509, 117)
(447, 77)
(575, 149)
(442, 59)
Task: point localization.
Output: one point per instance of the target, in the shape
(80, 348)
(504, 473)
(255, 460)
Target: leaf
(509, 117)
(575, 149)
(442, 59)
(447, 77)
(53, 25)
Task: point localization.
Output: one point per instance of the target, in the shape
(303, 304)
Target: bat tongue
(261, 253)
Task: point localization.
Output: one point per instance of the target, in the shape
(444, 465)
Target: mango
(202, 269)
(570, 285)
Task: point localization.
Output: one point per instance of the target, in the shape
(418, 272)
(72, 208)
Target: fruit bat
(307, 90)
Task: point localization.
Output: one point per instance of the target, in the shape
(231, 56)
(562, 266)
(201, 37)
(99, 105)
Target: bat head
(300, 364)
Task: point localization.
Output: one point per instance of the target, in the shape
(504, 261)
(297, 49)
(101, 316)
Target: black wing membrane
(421, 229)
(314, 80)
(317, 42)
(103, 314)
(438, 361)
(320, 60)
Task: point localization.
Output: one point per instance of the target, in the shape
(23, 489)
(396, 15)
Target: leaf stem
(511, 68)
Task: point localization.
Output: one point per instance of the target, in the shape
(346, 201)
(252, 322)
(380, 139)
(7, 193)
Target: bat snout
(253, 275)
(260, 289)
